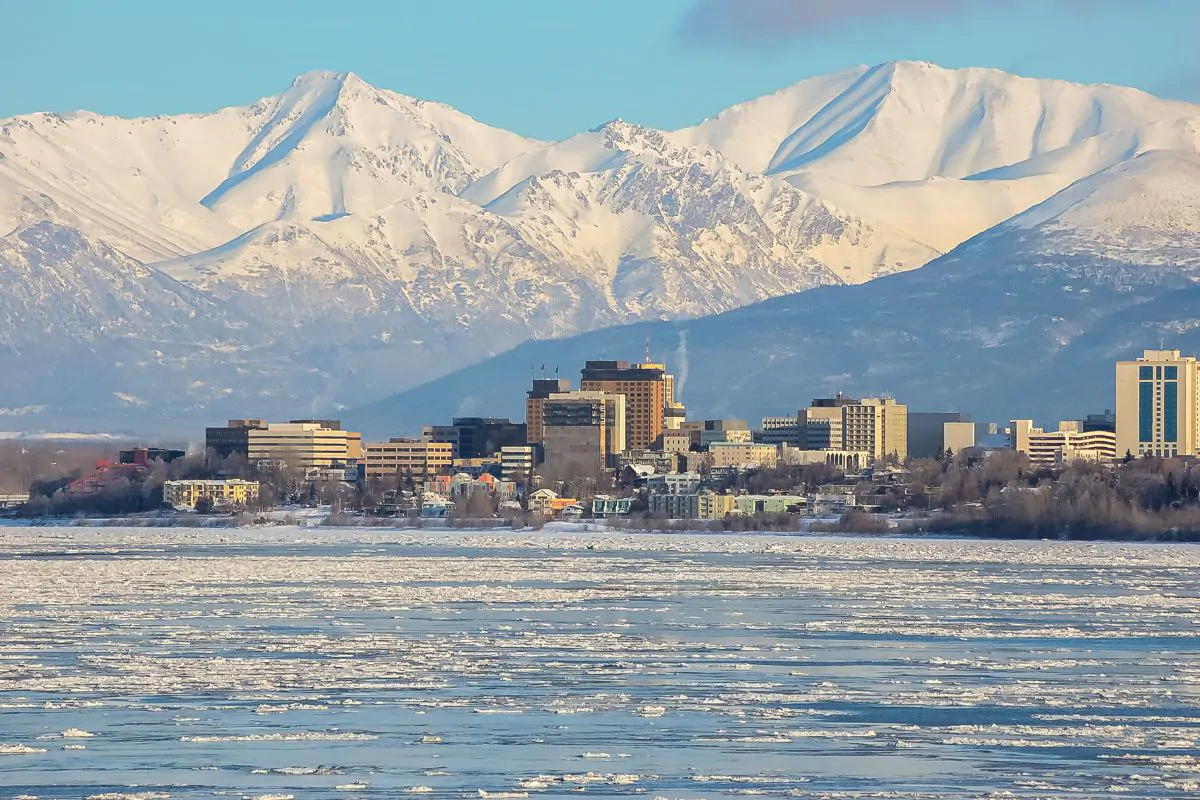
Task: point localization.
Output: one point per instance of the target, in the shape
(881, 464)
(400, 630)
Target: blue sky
(549, 68)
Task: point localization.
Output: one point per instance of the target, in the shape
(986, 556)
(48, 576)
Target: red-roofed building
(105, 475)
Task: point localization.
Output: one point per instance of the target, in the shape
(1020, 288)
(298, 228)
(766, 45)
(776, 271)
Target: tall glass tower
(1158, 405)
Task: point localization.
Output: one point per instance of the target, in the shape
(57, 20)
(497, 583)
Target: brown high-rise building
(648, 392)
(535, 402)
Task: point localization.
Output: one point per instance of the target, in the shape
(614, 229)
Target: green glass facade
(1146, 410)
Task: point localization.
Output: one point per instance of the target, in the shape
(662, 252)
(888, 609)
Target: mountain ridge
(339, 241)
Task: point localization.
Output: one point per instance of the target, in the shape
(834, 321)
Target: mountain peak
(325, 87)
(333, 81)
(322, 76)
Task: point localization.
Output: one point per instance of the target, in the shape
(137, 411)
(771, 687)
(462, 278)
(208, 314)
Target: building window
(1146, 373)
(1171, 413)
(1146, 411)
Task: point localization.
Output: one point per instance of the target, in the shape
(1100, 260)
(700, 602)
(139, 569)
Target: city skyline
(512, 400)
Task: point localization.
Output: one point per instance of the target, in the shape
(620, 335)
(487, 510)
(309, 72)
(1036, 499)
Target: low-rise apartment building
(224, 494)
(674, 506)
(517, 462)
(742, 454)
(459, 486)
(547, 503)
(674, 483)
(408, 458)
(604, 506)
(751, 504)
(710, 505)
(1069, 443)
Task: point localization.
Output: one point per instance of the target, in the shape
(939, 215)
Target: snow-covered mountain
(160, 187)
(943, 154)
(338, 243)
(1024, 320)
(643, 229)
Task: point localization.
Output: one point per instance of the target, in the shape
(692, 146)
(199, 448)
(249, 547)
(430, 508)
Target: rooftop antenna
(647, 349)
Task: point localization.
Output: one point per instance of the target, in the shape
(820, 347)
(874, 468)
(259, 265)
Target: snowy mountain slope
(132, 182)
(333, 145)
(749, 134)
(945, 154)
(56, 280)
(86, 330)
(654, 231)
(338, 242)
(417, 267)
(91, 337)
(162, 187)
(944, 212)
(592, 151)
(1138, 216)
(939, 212)
(907, 121)
(1023, 320)
(652, 201)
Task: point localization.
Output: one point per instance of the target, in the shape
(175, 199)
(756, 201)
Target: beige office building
(958, 436)
(740, 454)
(303, 445)
(674, 416)
(416, 458)
(1063, 446)
(876, 425)
(517, 461)
(1158, 405)
(821, 426)
(676, 441)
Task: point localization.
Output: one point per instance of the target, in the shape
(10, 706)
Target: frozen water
(328, 663)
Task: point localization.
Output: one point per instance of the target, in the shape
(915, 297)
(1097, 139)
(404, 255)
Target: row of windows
(1151, 407)
(1146, 409)
(1158, 373)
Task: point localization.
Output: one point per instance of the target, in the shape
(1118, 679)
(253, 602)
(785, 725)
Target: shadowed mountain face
(338, 243)
(1024, 320)
(1043, 350)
